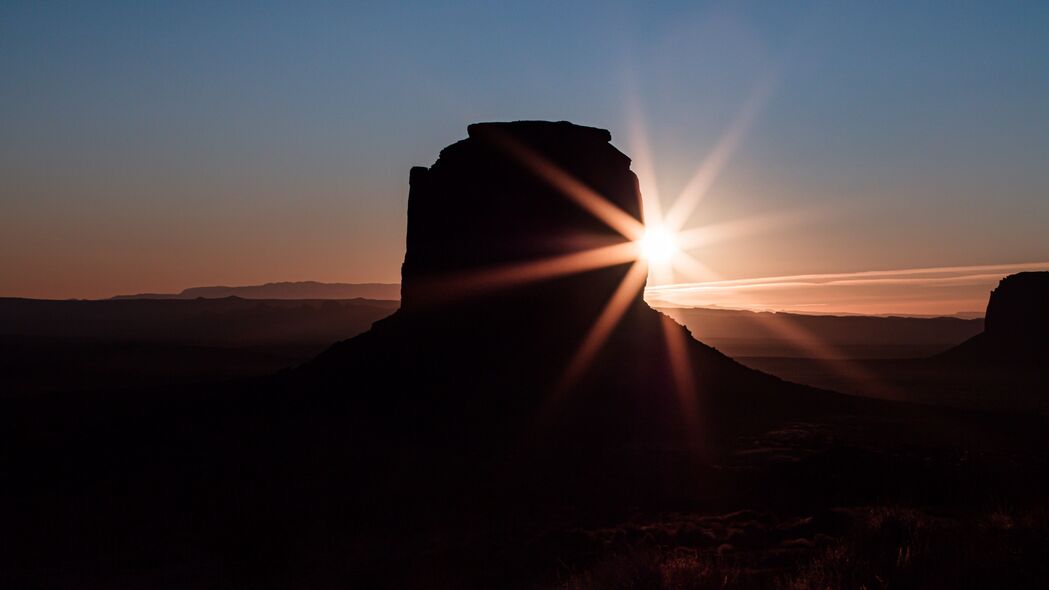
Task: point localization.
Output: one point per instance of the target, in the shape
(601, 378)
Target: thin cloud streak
(941, 290)
(855, 278)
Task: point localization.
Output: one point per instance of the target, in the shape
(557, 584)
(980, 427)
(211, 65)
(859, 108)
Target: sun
(658, 245)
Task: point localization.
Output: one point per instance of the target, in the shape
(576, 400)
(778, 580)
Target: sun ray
(682, 373)
(825, 354)
(582, 195)
(617, 305)
(728, 230)
(472, 283)
(690, 267)
(822, 352)
(643, 164)
(711, 167)
(660, 274)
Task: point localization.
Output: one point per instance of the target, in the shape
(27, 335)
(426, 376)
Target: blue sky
(150, 146)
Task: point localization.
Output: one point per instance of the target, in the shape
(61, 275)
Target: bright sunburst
(658, 245)
(657, 250)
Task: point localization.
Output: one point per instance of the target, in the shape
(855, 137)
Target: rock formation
(482, 363)
(1016, 324)
(1018, 311)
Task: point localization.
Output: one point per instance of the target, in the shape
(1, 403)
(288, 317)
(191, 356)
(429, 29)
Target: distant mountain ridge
(60, 346)
(1001, 367)
(740, 333)
(284, 290)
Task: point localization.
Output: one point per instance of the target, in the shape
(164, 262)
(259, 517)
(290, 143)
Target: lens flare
(658, 245)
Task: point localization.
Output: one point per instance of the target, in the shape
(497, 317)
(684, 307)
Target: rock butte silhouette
(484, 367)
(481, 207)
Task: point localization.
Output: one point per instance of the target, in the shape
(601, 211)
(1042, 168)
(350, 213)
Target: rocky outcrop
(1018, 311)
(1016, 327)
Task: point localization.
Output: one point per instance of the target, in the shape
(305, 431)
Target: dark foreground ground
(266, 484)
(160, 496)
(1016, 386)
(846, 505)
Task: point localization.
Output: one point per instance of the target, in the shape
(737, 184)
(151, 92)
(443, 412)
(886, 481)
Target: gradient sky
(152, 146)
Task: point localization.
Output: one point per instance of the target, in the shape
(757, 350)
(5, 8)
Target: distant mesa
(284, 290)
(1016, 326)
